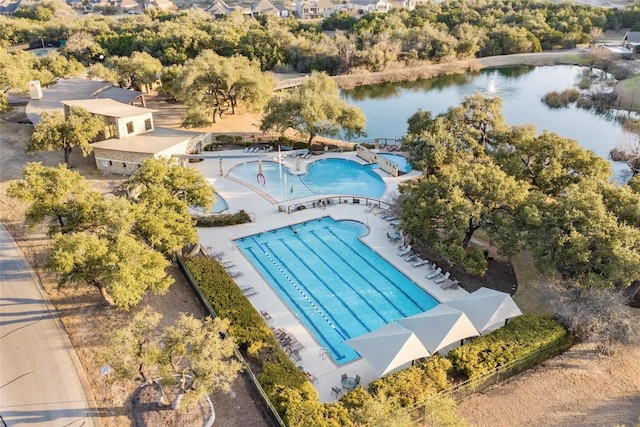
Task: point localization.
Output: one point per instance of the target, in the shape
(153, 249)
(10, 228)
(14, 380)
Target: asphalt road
(41, 380)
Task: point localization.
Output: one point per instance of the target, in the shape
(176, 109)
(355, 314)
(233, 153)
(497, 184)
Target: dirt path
(579, 388)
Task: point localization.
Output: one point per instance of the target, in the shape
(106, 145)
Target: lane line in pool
(359, 274)
(391, 281)
(417, 305)
(342, 332)
(341, 279)
(310, 323)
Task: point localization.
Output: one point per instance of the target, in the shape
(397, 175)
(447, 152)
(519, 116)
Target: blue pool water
(327, 176)
(335, 284)
(401, 161)
(219, 205)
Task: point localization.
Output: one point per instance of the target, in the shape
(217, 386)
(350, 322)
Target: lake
(387, 106)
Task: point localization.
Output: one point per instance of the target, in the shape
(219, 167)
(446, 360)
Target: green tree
(445, 210)
(195, 351)
(579, 236)
(134, 350)
(183, 183)
(15, 73)
(121, 267)
(431, 144)
(198, 349)
(163, 192)
(60, 66)
(61, 198)
(59, 132)
(314, 108)
(136, 71)
(549, 162)
(478, 118)
(381, 411)
(215, 85)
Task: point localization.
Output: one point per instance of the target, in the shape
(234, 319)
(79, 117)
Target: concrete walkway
(42, 382)
(240, 196)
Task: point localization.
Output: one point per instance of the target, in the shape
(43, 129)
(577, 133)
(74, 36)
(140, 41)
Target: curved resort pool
(401, 161)
(326, 176)
(219, 205)
(335, 284)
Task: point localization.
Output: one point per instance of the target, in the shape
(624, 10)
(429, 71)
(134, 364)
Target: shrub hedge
(520, 337)
(247, 326)
(297, 401)
(222, 220)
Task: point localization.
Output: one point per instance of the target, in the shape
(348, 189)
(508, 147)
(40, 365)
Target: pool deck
(267, 217)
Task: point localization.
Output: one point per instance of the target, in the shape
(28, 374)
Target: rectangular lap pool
(334, 283)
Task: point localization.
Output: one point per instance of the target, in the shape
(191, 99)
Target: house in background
(264, 7)
(314, 8)
(367, 6)
(8, 7)
(219, 9)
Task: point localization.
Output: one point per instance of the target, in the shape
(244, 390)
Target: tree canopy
(447, 209)
(214, 85)
(163, 192)
(122, 267)
(543, 193)
(189, 348)
(116, 245)
(59, 132)
(314, 109)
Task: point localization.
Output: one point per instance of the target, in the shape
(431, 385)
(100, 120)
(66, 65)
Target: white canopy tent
(440, 327)
(388, 347)
(486, 308)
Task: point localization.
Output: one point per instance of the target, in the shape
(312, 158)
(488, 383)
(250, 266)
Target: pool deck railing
(325, 201)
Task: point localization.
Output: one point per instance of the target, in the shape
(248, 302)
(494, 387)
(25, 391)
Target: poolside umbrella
(440, 327)
(486, 308)
(388, 347)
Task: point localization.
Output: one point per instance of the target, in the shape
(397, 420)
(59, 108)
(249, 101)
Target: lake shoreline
(399, 73)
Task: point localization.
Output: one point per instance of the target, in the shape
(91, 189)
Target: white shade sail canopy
(440, 327)
(486, 308)
(388, 347)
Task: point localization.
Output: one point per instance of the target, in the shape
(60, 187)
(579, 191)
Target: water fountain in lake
(491, 89)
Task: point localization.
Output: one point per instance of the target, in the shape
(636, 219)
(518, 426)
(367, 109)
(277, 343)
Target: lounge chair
(419, 262)
(434, 273)
(450, 284)
(246, 288)
(388, 215)
(310, 376)
(235, 274)
(431, 267)
(411, 257)
(306, 156)
(266, 316)
(404, 251)
(394, 223)
(246, 149)
(250, 293)
(228, 266)
(442, 279)
(216, 255)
